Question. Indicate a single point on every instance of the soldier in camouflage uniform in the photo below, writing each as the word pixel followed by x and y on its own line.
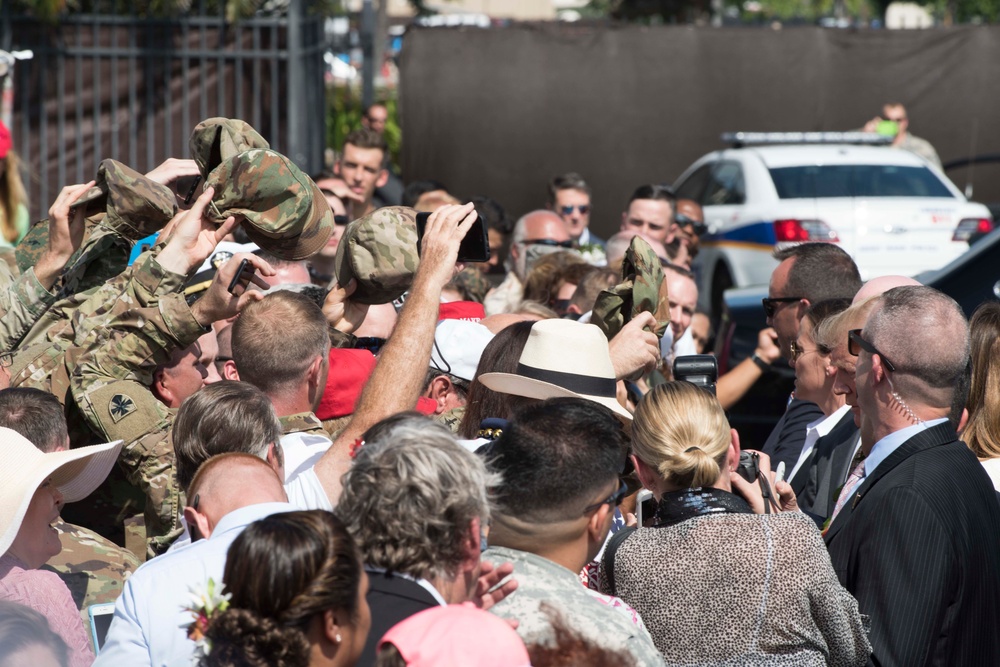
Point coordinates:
pixel 559 463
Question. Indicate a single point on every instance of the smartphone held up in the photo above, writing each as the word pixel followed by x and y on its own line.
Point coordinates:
pixel 475 247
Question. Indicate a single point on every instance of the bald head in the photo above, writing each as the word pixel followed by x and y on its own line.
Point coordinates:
pixel 229 482
pixel 531 234
pixel 880 285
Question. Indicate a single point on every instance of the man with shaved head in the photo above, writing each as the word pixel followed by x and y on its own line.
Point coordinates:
pixel 536 234
pixel 228 493
pixel 915 534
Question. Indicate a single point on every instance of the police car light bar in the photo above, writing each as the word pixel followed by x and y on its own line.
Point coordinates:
pixel 738 139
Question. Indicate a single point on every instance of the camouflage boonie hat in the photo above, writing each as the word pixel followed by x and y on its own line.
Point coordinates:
pixel 215 140
pixel 474 282
pixel 134 206
pixel 643 288
pixel 380 251
pixel 280 208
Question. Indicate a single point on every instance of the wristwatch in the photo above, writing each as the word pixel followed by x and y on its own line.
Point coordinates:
pixel 761 364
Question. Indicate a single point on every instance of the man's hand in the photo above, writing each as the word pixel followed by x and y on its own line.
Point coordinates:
pixel 172 169
pixel 342 313
pixel 784 498
pixel 65 234
pixel 192 238
pixel 217 303
pixel 485 596
pixel 634 350
pixel 767 345
pixel 446 227
pixel 341 191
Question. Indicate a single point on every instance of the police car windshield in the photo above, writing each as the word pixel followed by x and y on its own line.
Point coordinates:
pixel 863 180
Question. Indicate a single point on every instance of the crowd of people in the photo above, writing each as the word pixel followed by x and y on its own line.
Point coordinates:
pixel 338 445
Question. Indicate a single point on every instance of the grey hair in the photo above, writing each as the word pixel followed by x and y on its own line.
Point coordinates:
pixel 410 495
pixel 832 331
pixel 926 336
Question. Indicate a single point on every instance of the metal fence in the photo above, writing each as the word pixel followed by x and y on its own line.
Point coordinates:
pixel 115 84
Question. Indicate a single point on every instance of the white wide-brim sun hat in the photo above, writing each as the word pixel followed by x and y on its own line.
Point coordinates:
pixel 563 358
pixel 75 472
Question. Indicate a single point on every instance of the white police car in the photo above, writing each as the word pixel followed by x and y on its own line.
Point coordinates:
pixel 890 209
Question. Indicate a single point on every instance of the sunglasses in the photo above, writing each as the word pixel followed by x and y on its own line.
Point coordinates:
pixel 795 351
pixel 371 343
pixel 549 242
pixel 584 209
pixel 855 343
pixel 771 305
pixel 614 499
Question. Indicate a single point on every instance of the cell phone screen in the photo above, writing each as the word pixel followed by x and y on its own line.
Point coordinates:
pixel 475 247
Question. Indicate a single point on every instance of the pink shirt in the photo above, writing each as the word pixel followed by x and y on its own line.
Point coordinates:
pixel 46 593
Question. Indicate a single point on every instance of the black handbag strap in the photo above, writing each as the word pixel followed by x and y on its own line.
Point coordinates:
pixel 610 549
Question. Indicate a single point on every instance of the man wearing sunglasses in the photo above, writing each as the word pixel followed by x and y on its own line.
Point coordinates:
pixel 536 234
pixel 569 197
pixel 916 536
pixel 808 273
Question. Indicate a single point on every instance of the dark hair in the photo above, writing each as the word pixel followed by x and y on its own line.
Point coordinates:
pixel 820 271
pixel 368 108
pixel 570 181
pixel 282 571
pixel 22 627
pixel 415 189
pixel 555 455
pixel 493 214
pixel 276 340
pixel 366 138
pixel 679 270
pixel 500 355
pixel 542 282
pixel 824 310
pixel 223 417
pixel 35 414
pixel 654 191
pixel 571 648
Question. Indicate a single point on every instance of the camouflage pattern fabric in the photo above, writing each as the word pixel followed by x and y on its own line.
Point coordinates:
pixel 336 426
pixel 643 288
pixel 280 208
pixel 303 422
pixel 473 283
pixel 215 140
pixel 452 418
pixel 380 251
pixel 23 301
pixel 93 568
pixel 602 619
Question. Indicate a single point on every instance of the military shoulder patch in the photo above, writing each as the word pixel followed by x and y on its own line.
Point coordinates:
pixel 121 406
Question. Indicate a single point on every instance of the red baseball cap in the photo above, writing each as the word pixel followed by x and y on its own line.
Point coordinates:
pixel 6 143
pixel 349 371
pixel 461 310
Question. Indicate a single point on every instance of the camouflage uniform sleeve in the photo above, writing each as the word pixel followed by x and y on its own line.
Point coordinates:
pixel 339 339
pixel 23 301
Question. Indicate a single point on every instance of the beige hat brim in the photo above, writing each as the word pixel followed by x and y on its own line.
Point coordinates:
pixel 518 385
pixel 75 472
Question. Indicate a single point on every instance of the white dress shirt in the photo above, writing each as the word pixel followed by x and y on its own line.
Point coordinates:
pixel 301 451
pixel 150 625
pixel 814 431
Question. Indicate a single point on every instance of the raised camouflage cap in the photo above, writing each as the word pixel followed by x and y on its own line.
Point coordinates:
pixel 643 288
pixel 135 207
pixel 380 252
pixel 280 207
pixel 215 140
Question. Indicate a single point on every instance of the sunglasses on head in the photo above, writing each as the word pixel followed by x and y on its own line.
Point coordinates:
pixel 549 242
pixel 615 499
pixel 584 209
pixel 771 305
pixel 855 343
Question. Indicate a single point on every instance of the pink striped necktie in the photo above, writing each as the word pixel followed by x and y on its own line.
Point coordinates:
pixel 853 480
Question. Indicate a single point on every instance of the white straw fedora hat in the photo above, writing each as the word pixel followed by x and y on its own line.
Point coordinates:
pixel 562 358
pixel 76 473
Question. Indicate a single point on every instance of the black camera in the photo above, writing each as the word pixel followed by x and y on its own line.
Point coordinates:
pixel 698 369
pixel 749 466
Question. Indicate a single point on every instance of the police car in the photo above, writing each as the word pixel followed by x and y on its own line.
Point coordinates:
pixel 891 210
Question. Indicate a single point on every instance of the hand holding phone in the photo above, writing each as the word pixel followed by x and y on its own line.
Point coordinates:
pixel 245 275
pixel 475 247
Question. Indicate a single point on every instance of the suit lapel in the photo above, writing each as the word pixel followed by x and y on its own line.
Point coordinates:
pixel 932 437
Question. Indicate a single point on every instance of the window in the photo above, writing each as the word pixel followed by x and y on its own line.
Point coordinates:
pixel 695 184
pixel 725 186
pixel 863 180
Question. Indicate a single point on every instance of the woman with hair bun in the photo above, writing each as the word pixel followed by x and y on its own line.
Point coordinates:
pixel 715 582
pixel 297 596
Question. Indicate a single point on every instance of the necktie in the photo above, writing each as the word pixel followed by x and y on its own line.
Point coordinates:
pixel 853 480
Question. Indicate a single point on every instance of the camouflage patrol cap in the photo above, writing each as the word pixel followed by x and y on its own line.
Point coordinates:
pixel 643 288
pixel 215 140
pixel 380 251
pixel 135 208
pixel 280 208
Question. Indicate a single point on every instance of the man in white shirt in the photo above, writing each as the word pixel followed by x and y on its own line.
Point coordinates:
pixel 230 492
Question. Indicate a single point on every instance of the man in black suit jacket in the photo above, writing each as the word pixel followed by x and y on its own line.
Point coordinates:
pixel 918 541
pixel 826 469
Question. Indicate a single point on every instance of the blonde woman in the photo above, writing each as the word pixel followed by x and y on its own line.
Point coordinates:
pixel 715 582
pixel 13 198
pixel 982 432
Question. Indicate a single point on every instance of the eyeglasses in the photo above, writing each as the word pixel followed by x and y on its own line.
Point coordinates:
pixel 6 359
pixel 771 305
pixel 795 351
pixel 548 242
pixel 614 499
pixel 855 343
pixel 584 209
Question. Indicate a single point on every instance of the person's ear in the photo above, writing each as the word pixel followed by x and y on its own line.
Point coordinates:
pixel 331 628
pixel 276 459
pixel 383 178
pixel 161 387
pixel 963 420
pixel 229 371
pixel 646 475
pixel 438 391
pixel 336 167
pixel 471 552
pixel 598 524
pixel 624 224
pixel 315 372
pixel 197 522
pixel 800 308
pixel 734 450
